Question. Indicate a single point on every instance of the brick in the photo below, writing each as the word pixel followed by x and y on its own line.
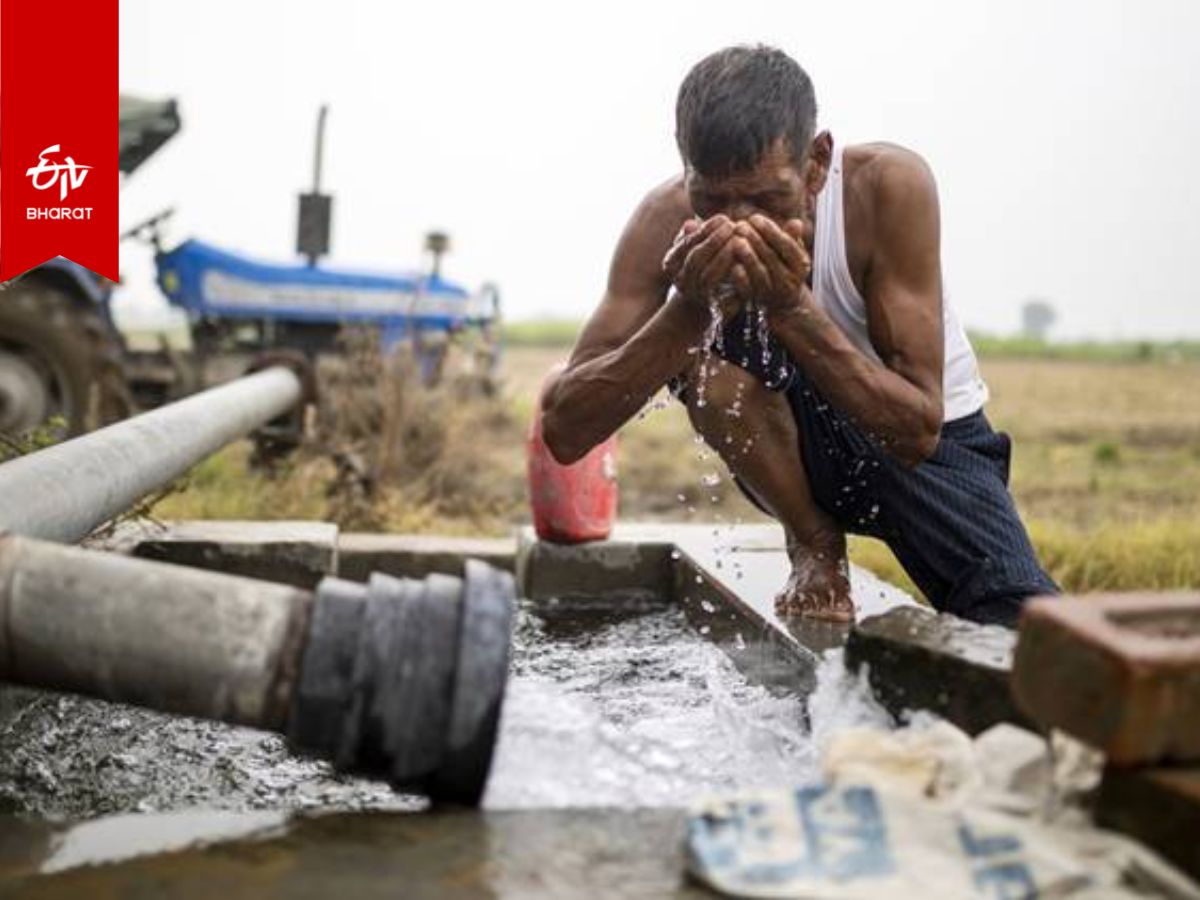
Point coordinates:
pixel 1159 807
pixel 1118 671
pixel 920 660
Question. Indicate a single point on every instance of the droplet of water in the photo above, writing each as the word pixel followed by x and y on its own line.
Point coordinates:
pixel 710 479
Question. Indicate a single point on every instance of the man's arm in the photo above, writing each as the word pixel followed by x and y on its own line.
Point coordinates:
pixel 633 343
pixel 901 401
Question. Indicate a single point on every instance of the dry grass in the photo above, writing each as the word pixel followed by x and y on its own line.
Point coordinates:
pixel 1106 470
pixel 1106 466
pixel 387 455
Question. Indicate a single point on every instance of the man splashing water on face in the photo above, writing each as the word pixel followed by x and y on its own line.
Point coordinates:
pixel 839 388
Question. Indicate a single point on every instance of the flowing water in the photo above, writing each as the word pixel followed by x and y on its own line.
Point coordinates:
pixel 604 707
pixel 713 339
pixel 612 708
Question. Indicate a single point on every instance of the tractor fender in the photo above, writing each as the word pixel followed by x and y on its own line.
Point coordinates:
pixel 74 279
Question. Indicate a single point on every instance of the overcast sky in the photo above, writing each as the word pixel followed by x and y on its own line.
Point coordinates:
pixel 1065 136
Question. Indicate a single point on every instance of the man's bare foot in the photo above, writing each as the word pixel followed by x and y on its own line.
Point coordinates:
pixel 819 586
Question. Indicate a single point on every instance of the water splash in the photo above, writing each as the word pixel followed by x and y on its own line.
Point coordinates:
pixel 713 337
pixel 735 408
pixel 747 332
pixel 643 711
pixel 764 338
pixel 640 712
pixel 654 404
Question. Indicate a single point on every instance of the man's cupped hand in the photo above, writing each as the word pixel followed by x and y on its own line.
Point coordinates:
pixel 735 262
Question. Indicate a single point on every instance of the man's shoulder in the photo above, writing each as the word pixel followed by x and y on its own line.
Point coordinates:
pixel 888 174
pixel 665 205
pixel 653 226
pixel 637 261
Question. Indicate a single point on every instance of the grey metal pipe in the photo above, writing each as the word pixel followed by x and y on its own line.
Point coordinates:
pixel 398 679
pixel 64 492
pixel 156 635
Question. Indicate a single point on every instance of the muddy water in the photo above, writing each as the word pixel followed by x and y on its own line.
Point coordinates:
pixel 605 707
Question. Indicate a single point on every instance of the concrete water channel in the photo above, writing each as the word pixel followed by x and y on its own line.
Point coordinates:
pixel 648 671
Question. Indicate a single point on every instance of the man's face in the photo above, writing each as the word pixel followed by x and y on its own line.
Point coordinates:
pixel 779 186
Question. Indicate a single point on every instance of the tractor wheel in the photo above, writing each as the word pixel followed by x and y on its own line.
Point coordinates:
pixel 58 358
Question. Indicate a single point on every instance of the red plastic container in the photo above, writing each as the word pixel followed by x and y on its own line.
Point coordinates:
pixel 575 503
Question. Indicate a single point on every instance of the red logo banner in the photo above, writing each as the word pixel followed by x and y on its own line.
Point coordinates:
pixel 59 111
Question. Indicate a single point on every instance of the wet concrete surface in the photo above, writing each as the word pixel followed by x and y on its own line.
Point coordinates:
pixel 958 670
pixel 296 553
pixel 67 757
pixel 567 853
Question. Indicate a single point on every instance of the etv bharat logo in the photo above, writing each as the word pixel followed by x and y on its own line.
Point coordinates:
pixel 68 175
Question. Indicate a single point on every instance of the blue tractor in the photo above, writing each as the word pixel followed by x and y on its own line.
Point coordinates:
pixel 237 304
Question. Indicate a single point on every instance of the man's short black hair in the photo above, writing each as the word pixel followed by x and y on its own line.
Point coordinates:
pixel 736 102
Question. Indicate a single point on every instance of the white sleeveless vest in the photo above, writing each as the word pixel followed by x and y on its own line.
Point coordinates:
pixel 964 391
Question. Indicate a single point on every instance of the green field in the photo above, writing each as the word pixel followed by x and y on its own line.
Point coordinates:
pixel 1106 466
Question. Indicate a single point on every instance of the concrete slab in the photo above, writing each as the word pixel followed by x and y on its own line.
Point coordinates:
pixel 919 659
pixel 296 553
pixel 1159 807
pixel 567 853
pixel 418 555
pixel 124 535
pixel 724 576
pixel 1118 671
pixel 633 566
pixel 751 563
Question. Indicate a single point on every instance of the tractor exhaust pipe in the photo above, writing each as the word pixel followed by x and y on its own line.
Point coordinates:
pixel 397 679
pixel 64 492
